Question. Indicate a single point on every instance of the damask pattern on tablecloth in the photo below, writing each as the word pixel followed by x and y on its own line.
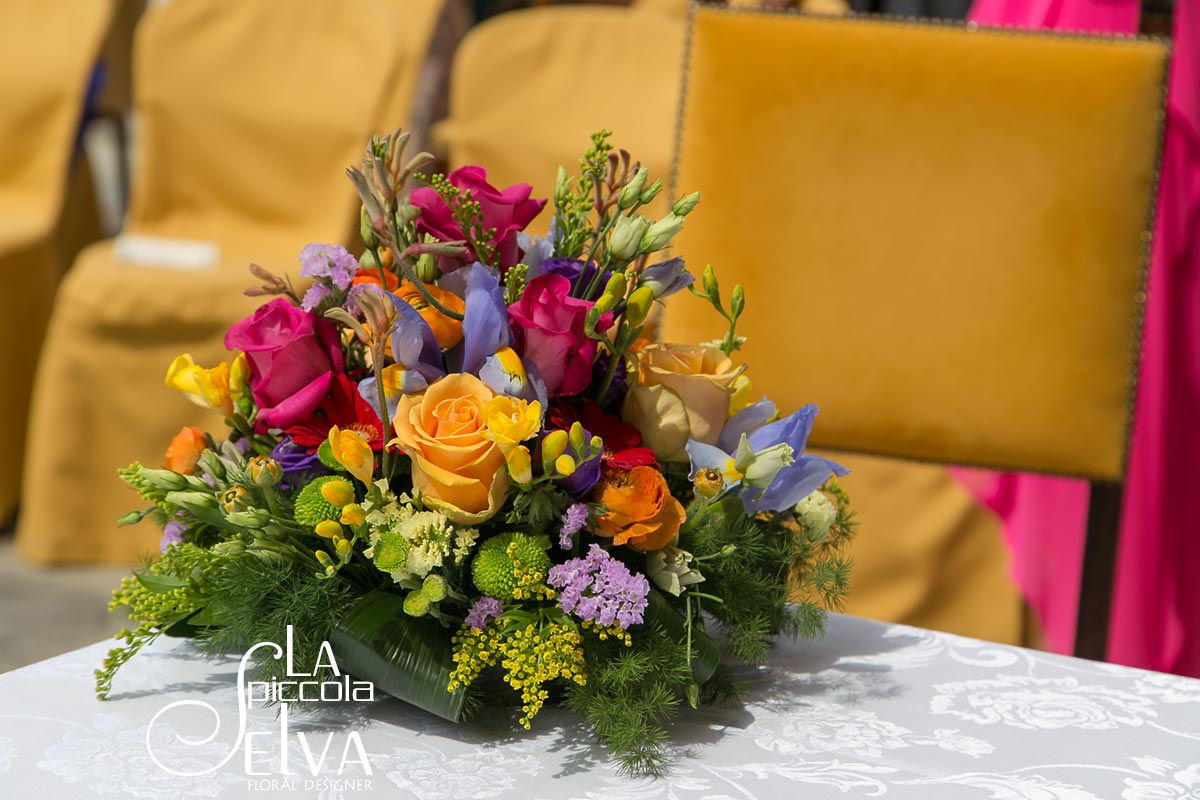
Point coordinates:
pixel 870 711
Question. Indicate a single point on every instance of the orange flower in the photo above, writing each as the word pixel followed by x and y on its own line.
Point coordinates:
pixel 641 511
pixel 184 450
pixel 372 276
pixel 457 471
pixel 448 332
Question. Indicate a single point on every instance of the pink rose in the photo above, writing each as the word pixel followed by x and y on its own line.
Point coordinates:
pixel 293 356
pixel 508 211
pixel 548 324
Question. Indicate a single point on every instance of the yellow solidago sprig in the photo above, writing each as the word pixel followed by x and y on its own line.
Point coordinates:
pixel 513 566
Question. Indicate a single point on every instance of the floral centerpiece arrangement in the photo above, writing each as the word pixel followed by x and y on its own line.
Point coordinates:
pixel 458 459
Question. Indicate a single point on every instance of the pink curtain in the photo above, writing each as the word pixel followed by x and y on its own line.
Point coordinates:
pixel 1156 614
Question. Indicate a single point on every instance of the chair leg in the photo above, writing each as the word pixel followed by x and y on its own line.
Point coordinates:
pixel 1099 570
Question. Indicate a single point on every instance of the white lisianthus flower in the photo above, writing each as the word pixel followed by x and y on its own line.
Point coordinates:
pixel 671 569
pixel 817 513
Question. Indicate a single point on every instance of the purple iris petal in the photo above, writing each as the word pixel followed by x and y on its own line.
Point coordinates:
pixel 747 421
pixel 485 317
pixel 585 476
pixel 414 346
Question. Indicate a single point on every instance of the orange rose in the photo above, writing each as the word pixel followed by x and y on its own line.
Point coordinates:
pixel 457 470
pixel 641 511
pixel 681 392
pixel 184 450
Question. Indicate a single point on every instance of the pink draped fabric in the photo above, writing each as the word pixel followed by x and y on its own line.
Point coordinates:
pixel 1156 614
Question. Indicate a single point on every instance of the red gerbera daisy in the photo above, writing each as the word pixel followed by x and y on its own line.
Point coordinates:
pixel 344 407
pixel 622 441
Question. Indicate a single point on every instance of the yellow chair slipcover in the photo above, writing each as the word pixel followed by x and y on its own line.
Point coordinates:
pixel 956 234
pixel 566 72
pixel 50 47
pixel 248 112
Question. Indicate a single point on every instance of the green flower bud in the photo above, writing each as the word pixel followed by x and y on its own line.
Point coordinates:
pixel 626 237
pixel 575 437
pixel 651 191
pixel 605 304
pixel 251 518
pixel 230 548
pixel 427 268
pixel 631 193
pixel 709 282
pixel 637 308
pixel 616 285
pixel 416 604
pixel 562 187
pixel 164 479
pixel 365 230
pixel 368 261
pixel 684 205
pixel 434 588
pixel 659 234
pixel 408 212
pixel 553 446
pixel 737 301
pixel 264 471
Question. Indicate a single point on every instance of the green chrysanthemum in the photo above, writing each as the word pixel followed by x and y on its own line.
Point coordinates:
pixel 506 563
pixel 312 507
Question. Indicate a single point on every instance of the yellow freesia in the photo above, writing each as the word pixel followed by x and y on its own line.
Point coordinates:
pixel 207 388
pixel 239 377
pixel 352 451
pixel 509 421
pixel 520 466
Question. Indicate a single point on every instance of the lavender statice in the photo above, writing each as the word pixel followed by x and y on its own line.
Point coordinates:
pixel 573 520
pixel 484 611
pixel 600 589
pixel 330 261
pixel 172 534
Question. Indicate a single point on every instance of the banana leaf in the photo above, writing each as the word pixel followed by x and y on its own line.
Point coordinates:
pixel 407 657
pixel 659 611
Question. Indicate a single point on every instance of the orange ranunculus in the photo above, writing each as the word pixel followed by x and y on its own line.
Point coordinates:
pixel 457 470
pixel 641 511
pixel 681 392
pixel 372 276
pixel 448 332
pixel 184 450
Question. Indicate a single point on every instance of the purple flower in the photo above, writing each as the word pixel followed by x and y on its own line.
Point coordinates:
pixel 601 589
pixel 579 273
pixel 172 534
pixel 484 611
pixel 666 277
pixel 330 261
pixel 316 294
pixel 572 522
pixel 299 465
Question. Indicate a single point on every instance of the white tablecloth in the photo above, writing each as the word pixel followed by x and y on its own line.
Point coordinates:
pixel 871 710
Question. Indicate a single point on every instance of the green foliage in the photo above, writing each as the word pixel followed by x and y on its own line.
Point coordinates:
pixel 537 509
pixel 256 595
pixel 630 692
pixel 468 213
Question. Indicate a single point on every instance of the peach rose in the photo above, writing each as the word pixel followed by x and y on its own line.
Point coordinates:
pixel 681 392
pixel 641 513
pixel 183 453
pixel 457 471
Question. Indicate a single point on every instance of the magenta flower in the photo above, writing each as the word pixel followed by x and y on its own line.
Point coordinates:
pixel 293 355
pixel 548 323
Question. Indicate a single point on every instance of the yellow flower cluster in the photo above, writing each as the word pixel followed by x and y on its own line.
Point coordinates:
pixel 602 632
pixel 531 582
pixel 534 656
pixel 531 657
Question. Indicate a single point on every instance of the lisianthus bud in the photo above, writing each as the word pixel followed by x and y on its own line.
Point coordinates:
pixel 652 191
pixel 637 308
pixel 659 234
pixel 627 236
pixel 737 300
pixel 631 193
pixel 684 205
pixel 251 518
pixel 264 471
pixel 366 231
pixel 709 281
pixel 708 483
pixel 236 498
pixel 164 479
pixel 427 268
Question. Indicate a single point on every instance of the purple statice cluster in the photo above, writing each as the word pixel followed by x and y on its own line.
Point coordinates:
pixel 331 266
pixel 601 589
pixel 484 611
pixel 573 520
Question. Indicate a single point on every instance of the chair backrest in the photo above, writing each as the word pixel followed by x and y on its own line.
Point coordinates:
pixel 942 233
pixel 50 48
pixel 249 110
pixel 529 87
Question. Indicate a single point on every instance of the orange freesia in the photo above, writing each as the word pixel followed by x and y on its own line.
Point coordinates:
pixel 448 332
pixel 641 511
pixel 184 450
pixel 457 470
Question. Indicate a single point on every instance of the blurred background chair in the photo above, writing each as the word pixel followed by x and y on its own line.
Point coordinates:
pixel 46 68
pixel 964 238
pixel 246 114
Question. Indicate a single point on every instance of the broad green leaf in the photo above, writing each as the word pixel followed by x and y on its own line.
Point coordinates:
pixel 407 657
pixel 159 583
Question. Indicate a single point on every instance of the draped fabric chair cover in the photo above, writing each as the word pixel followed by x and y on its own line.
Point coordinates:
pixel 526 91
pixel 248 113
pixel 923 327
pixel 50 47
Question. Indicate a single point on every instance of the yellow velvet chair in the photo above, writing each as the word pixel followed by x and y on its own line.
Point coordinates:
pixel 248 112
pixel 942 233
pixel 45 71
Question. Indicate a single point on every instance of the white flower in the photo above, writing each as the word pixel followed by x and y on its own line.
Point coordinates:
pixel 817 513
pixel 671 569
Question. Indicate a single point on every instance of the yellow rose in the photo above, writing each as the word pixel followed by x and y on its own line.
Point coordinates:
pixel 510 421
pixel 681 392
pixel 456 469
